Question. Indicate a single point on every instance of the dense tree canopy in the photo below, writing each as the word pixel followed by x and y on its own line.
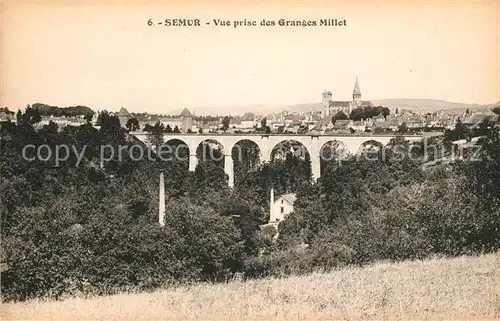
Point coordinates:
pixel 132 124
pixel 89 223
pixel 368 112
pixel 47 110
pixel 339 116
pixel 225 123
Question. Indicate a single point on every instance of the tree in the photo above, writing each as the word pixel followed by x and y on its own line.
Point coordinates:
pixel 31 116
pixel 248 116
pixel 460 130
pixel 339 116
pixel 132 124
pixel 19 117
pixel 78 228
pixel 385 112
pixel 155 134
pixel 403 128
pixel 369 112
pixel 88 117
pixel 176 130
pixel 51 127
pixel 225 123
pixel 168 129
pixel 7 111
pixel 263 123
pixel 74 111
pixel 496 110
pixel 109 123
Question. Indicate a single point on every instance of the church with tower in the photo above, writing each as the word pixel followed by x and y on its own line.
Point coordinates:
pixel 332 107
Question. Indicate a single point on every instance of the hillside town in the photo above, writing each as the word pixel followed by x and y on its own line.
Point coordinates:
pixel 291 160
pixel 332 118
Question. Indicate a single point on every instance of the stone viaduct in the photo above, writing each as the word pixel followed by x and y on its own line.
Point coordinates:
pixel 267 142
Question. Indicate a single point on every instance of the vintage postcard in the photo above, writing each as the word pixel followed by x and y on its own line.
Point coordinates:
pixel 237 160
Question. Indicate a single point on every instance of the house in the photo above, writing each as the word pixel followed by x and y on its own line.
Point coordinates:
pixel 477 118
pixel 276 125
pixel 278 209
pixel 379 119
pixel 247 124
pixel 184 121
pixel 394 124
pixel 292 119
pixel 62 121
pixel 244 125
pixel 342 124
pixel 281 207
pixel 466 147
pixel 123 115
pixel 171 122
pixel 6 114
pixel 148 120
pixel 204 128
pixel 381 127
pixel 323 124
pixel 293 129
pixel 358 125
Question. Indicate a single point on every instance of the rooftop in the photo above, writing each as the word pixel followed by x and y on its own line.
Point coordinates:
pixel 123 112
pixel 186 113
pixel 290 198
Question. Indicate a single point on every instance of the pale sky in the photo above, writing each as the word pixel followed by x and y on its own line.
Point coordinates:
pixel 106 56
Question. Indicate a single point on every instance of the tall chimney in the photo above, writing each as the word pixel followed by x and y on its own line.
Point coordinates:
pixel 271 202
pixel 161 214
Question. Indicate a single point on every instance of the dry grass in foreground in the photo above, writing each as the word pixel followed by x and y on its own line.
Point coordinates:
pixel 465 288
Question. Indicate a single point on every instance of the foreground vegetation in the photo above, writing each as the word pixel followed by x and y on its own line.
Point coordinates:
pixel 463 288
pixel 78 228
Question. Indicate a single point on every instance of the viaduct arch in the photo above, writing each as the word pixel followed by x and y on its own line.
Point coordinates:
pixel 266 143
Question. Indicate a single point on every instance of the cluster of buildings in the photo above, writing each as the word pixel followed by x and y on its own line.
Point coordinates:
pixel 320 122
pixel 279 208
pixel 332 107
pixel 183 122
pixel 63 121
pixel 315 122
pixel 60 121
pixel 186 122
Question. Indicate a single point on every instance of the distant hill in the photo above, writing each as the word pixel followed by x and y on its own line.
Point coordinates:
pixel 304 107
pixel 430 105
pixel 71 111
pixel 233 110
pixel 417 105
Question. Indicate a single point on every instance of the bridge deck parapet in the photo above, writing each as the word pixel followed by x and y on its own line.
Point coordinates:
pixel 287 134
pixel 266 143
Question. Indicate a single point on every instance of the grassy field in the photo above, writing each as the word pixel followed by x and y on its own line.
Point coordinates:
pixel 465 288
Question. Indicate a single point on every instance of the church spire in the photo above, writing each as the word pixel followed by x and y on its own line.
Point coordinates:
pixel 356 93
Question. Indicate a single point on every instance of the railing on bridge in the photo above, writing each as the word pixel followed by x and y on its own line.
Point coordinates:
pixel 291 134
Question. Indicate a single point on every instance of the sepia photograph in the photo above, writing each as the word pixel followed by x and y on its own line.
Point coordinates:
pixel 250 160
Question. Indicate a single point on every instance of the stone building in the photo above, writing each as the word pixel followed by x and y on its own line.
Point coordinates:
pixel 184 121
pixel 123 115
pixel 280 207
pixel 332 107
